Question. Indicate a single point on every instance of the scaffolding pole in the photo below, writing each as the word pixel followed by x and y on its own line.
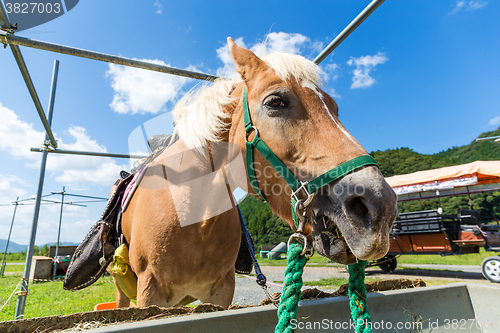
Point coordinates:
pixel 50 144
pixel 88 153
pixel 4 22
pixel 348 30
pixel 73 51
pixel 2 268
pixel 55 260
pixel 23 290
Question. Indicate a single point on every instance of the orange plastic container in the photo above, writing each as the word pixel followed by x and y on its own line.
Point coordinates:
pixel 108 306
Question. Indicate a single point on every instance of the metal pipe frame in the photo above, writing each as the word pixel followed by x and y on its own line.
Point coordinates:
pixel 15 41
pixel 81 196
pixel 2 268
pixel 54 264
pixel 62 203
pixel 4 22
pixel 348 30
pixel 488 138
pixel 73 51
pixel 23 289
pixel 87 153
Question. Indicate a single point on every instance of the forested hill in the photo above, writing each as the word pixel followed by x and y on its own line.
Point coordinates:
pixel 267 228
pixel 404 160
pixel 475 151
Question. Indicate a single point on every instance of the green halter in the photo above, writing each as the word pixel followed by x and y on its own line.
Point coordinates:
pixel 308 188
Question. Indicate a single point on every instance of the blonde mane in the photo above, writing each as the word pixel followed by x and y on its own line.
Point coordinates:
pixel 199 115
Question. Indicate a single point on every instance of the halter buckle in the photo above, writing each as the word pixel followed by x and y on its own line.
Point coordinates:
pixel 310 196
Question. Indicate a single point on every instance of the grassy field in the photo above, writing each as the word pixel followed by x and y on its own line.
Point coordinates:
pixel 49 298
pixel 465 259
pixel 334 283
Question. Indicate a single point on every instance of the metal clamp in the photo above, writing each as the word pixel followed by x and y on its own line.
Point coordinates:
pixel 46 146
pixel 3 38
pixel 4 33
pixel 22 293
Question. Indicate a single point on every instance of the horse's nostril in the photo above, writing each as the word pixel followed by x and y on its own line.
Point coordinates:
pixel 357 211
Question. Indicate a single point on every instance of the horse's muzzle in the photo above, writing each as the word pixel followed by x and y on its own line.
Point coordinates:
pixel 352 218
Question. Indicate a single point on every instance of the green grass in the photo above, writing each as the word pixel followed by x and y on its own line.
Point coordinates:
pixel 329 282
pixel 464 259
pixel 315 260
pixel 14 268
pixel 333 282
pixel 49 298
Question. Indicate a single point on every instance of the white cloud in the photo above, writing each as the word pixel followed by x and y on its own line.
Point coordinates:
pixel 364 65
pixel 9 189
pixel 468 6
pixel 143 91
pixel 274 42
pixel 17 136
pixel 159 6
pixel 224 55
pixel 83 169
pixel 495 121
pixel 281 42
pixel 333 93
pixel 331 71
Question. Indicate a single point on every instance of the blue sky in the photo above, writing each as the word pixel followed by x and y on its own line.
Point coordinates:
pixel 420 74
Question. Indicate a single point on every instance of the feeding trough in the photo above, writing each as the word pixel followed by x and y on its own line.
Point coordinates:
pixel 458 307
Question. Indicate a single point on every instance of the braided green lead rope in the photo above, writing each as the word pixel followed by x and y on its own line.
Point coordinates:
pixel 290 296
pixel 292 284
pixel 357 298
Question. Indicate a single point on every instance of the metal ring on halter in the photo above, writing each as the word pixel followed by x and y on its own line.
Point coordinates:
pixel 302 236
pixel 247 133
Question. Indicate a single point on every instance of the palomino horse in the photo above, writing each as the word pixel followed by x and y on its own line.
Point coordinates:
pixel 350 218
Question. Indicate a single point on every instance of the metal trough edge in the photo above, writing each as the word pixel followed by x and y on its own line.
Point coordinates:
pixel 457 307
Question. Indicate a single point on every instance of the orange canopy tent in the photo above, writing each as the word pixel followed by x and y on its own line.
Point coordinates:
pixel 475 177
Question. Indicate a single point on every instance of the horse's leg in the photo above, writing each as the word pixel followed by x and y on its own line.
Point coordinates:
pixel 222 291
pixel 122 300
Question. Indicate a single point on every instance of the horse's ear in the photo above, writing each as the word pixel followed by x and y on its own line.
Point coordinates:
pixel 247 64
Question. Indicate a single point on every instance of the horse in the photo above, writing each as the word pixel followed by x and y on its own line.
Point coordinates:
pixel 349 219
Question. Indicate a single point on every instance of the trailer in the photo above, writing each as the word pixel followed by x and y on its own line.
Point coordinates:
pixel 431 231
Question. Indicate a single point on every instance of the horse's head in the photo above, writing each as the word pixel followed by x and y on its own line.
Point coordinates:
pixel 351 216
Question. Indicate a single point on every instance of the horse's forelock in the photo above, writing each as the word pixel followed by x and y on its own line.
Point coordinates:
pixel 288 66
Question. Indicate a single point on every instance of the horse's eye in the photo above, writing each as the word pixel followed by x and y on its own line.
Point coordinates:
pixel 275 102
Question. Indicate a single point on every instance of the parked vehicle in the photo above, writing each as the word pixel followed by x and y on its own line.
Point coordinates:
pixel 431 231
